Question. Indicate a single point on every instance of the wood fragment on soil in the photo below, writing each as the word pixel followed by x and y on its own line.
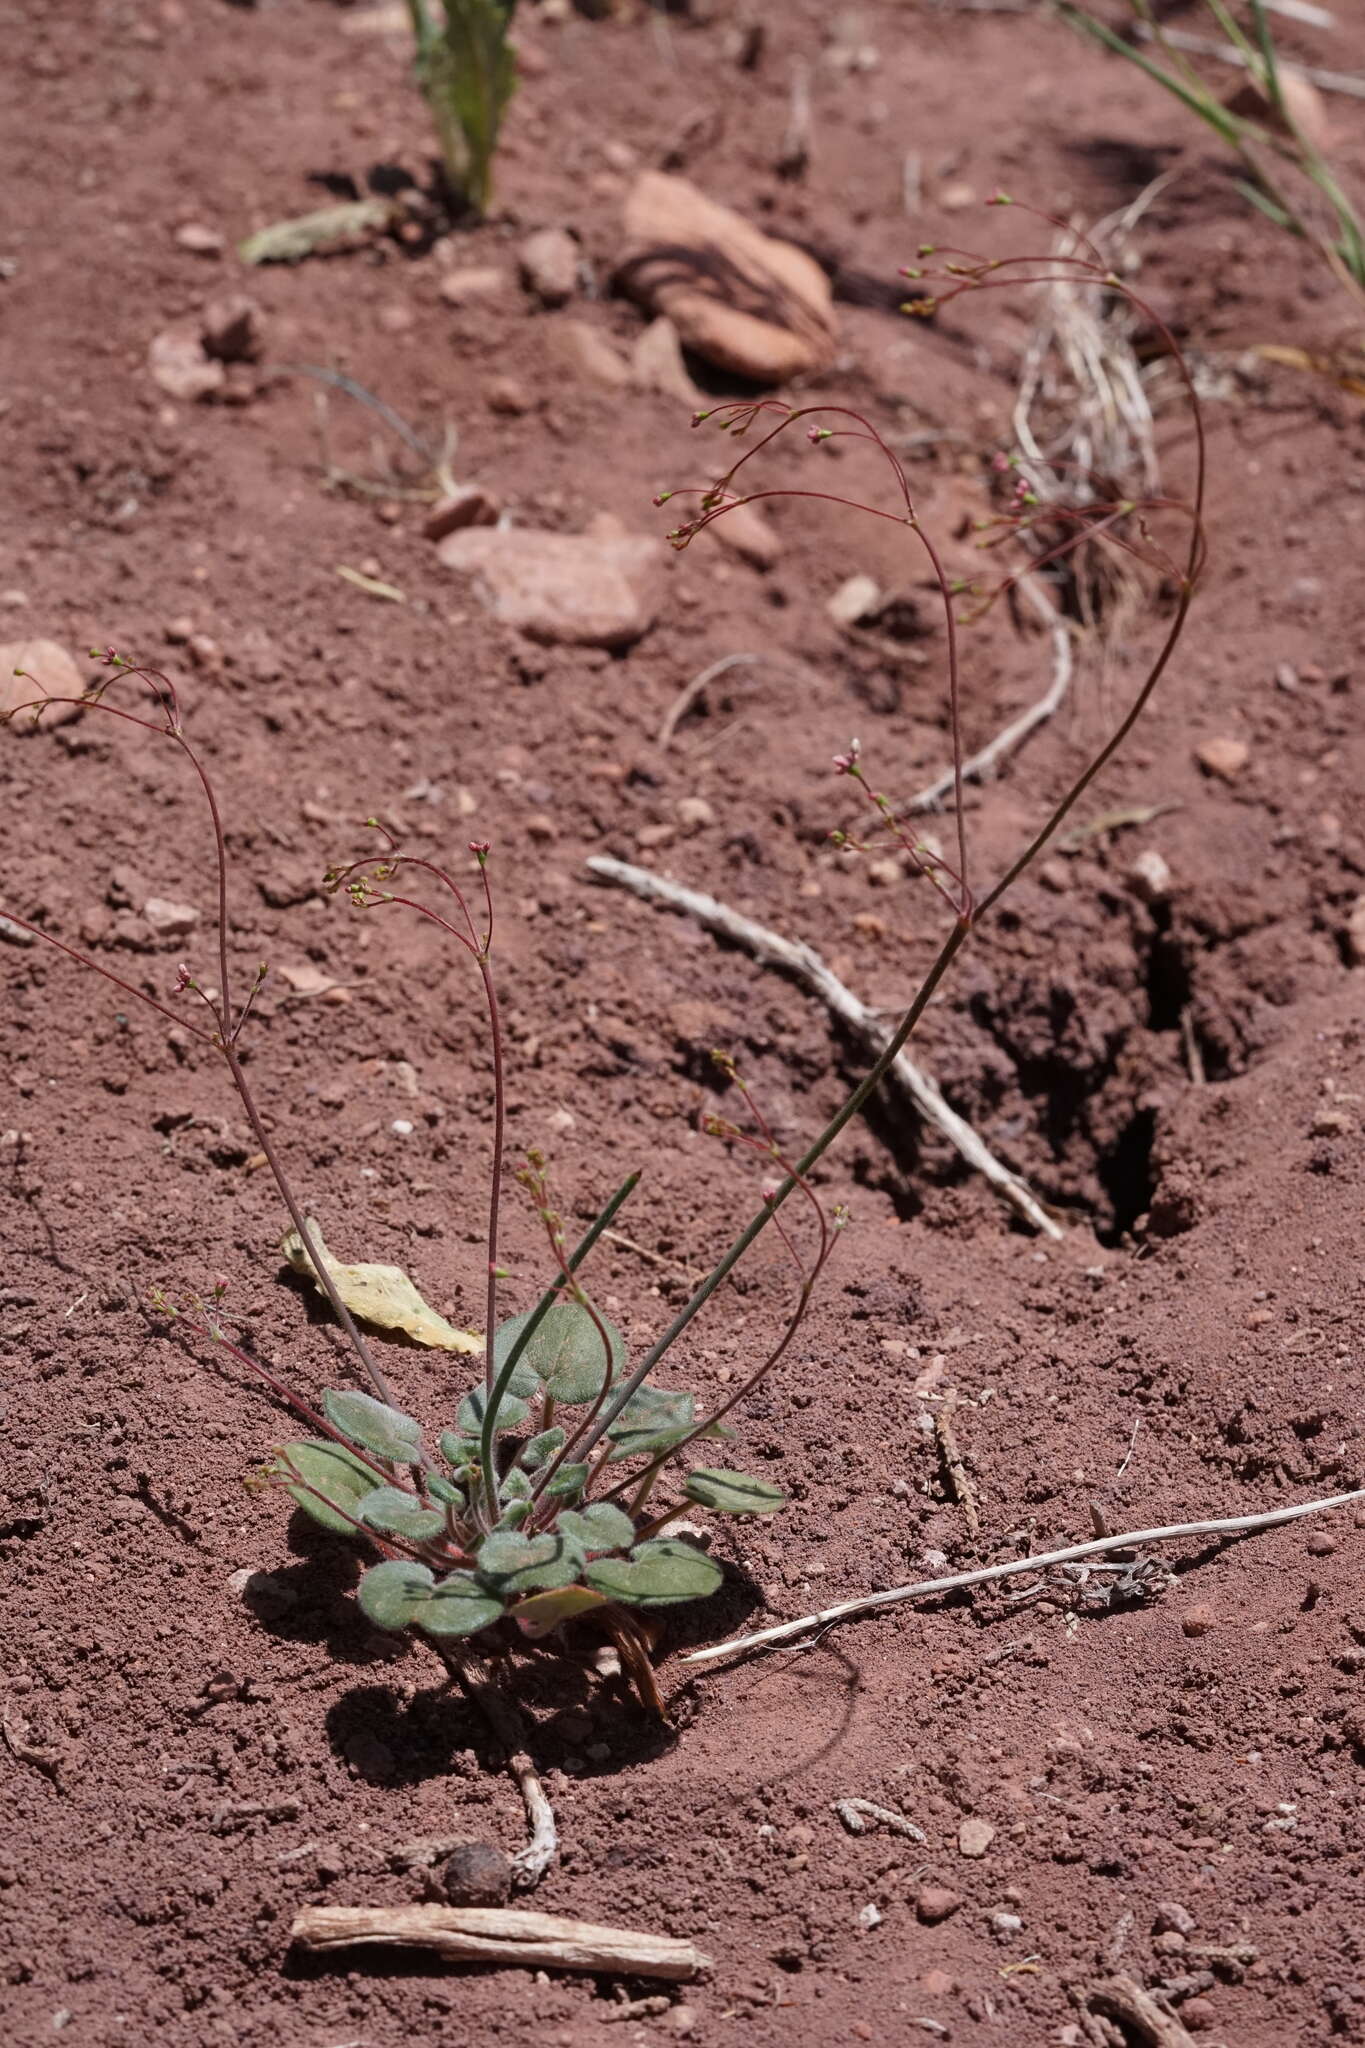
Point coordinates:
pixel 958 1478
pixel 805 965
pixel 1121 1999
pixel 499 1935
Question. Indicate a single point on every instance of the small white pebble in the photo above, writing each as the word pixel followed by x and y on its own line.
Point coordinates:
pixel 401 1128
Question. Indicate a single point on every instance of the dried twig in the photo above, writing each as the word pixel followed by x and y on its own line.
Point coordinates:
pixel 689 693
pixel 1231 1525
pixel 500 1935
pixel 793 158
pixel 958 1479
pixel 1347 82
pixel 1121 1999
pixel 529 1863
pixel 805 964
pixel 980 766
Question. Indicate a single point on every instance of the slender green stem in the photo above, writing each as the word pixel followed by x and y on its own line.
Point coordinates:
pixel 494 1398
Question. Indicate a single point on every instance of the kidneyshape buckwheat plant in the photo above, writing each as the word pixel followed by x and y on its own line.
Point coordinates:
pixel 546 1495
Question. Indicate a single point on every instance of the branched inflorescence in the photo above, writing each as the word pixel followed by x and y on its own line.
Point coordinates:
pixel 541 1502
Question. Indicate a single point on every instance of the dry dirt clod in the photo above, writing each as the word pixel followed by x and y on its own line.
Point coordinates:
pixel 975 1836
pixel 1197 1621
pixel 477 1874
pixel 1173 1918
pixel 180 366
pixel 470 505
pixel 934 1902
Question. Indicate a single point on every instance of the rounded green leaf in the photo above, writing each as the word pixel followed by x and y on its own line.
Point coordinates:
pixel 459 1452
pixel 512 1563
pixel 332 1472
pixel 391 1593
pixel 599 1527
pixel 512 1412
pixel 655 1419
pixel 444 1490
pixel 733 1493
pixel 545 1611
pixel 567 1483
pixel 525 1379
pixel 542 1448
pixel 458 1606
pixel 661 1573
pixel 515 1485
pixel 381 1429
pixel 400 1514
pixel 513 1515
pixel 567 1352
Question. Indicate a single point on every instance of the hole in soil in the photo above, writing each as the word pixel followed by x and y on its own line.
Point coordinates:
pixel 1125 1173
pixel 1169 989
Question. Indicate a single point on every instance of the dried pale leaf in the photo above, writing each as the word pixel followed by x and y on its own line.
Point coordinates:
pixel 381 1295
pixel 371 585
pixel 310 234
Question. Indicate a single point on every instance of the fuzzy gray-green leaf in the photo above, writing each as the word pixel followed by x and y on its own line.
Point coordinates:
pixel 567 1353
pixel 400 1514
pixel 458 1606
pixel 512 1411
pixel 459 1452
pixel 374 1425
pixel 664 1572
pixel 599 1527
pixel 733 1493
pixel 391 1593
pixel 332 1472
pixel 528 1564
pixel 542 1448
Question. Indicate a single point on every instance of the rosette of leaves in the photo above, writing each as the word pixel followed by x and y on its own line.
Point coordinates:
pixel 541 1550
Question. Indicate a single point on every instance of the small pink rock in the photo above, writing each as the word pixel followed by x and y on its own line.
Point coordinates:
pixel 588 353
pixel 937 1984
pixel 199 239
pixel 49 671
pixel 508 396
pixel 170 920
pixel 975 1836
pixel 1225 758
pixel 461 287
pixel 578 590
pixel 934 1902
pixel 748 534
pixel 1197 1621
pixel 549 265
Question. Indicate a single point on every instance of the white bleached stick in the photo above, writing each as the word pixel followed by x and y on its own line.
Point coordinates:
pixel 1136 1539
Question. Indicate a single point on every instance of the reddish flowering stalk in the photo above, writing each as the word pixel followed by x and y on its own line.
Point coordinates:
pixel 226 1028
